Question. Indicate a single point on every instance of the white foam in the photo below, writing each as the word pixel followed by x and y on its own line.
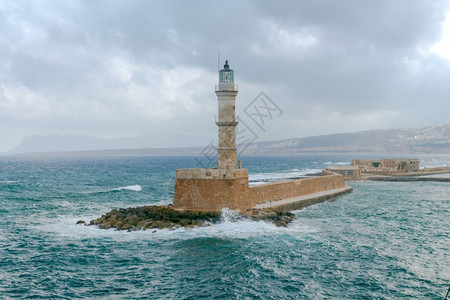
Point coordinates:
pixel 231 216
pixel 434 161
pixel 339 163
pixel 342 163
pixel 136 188
pixel 8 181
pixel 231 225
pixel 260 178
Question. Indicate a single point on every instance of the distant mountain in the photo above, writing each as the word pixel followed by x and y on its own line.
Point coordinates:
pixel 72 142
pixel 430 139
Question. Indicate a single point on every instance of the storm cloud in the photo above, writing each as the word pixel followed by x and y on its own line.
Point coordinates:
pixel 125 68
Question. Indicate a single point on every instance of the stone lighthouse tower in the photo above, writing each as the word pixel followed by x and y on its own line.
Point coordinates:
pixel 212 189
pixel 226 92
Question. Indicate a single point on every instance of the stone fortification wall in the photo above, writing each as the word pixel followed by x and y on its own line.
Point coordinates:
pixel 212 189
pixel 212 194
pixel 299 187
pixel 215 189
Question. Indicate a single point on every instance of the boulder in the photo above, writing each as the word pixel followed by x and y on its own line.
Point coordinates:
pixel 118 224
pixel 148 225
pixel 133 220
pixel 126 226
pixel 147 217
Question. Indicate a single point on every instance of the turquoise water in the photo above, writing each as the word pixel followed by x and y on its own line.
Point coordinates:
pixel 383 241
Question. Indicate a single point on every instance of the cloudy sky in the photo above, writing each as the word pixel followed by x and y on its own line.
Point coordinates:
pixel 125 68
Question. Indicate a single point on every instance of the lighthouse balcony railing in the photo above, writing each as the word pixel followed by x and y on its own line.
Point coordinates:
pixel 225 86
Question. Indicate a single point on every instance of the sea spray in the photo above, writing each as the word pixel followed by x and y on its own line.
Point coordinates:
pixel 231 216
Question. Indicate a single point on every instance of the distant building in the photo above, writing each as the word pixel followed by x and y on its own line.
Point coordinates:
pixel 388 166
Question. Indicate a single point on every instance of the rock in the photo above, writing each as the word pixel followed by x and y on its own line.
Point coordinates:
pixel 118 224
pixel 133 220
pixel 126 226
pixel 81 222
pixel 148 225
pixel 162 217
pixel 198 223
pixel 112 218
pixel 156 224
pixel 184 222
pixel 104 226
pixel 99 220
pixel 281 223
pixel 142 223
pixel 165 224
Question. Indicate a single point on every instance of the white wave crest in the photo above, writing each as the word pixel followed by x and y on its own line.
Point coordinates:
pixel 342 163
pixel 7 181
pixel 136 188
pixel 260 178
pixel 339 163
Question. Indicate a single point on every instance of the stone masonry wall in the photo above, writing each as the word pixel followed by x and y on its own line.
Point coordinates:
pixel 299 187
pixel 234 193
pixel 212 194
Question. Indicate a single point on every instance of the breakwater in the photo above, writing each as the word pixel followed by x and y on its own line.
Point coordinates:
pixel 408 178
pixel 166 217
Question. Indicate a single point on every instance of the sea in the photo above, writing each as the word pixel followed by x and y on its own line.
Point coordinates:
pixel 385 240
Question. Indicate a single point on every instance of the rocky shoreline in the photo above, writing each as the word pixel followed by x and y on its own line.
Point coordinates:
pixel 166 217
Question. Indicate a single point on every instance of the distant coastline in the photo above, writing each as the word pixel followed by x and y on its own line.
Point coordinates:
pixel 406 141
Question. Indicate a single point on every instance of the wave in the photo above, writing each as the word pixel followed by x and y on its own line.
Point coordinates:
pixel 260 178
pixel 136 188
pixel 7 181
pixel 342 163
pixel 232 225
pixel 339 163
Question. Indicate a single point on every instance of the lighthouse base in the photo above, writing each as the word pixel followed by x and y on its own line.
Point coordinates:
pixel 212 189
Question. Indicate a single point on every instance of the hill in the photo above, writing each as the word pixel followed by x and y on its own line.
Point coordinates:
pixel 430 139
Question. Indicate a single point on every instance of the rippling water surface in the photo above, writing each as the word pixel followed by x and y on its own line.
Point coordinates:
pixel 383 241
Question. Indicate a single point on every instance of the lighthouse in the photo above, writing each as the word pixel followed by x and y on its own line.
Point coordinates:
pixel 212 189
pixel 226 92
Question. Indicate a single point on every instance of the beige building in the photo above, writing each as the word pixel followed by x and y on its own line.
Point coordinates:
pixel 388 166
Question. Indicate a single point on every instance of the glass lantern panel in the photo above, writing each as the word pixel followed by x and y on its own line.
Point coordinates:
pixel 226 76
